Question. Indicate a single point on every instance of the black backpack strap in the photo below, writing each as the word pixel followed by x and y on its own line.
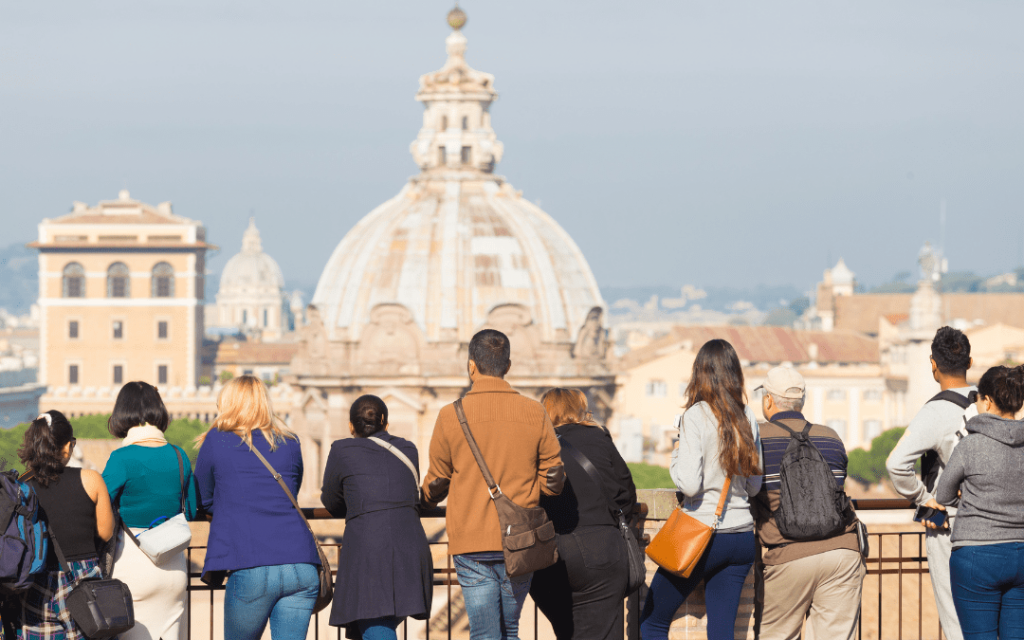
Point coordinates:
pixel 805 433
pixel 952 396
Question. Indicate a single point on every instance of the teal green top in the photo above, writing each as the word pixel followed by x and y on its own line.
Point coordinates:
pixel 146 484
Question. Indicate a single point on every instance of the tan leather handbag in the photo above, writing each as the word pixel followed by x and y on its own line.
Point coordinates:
pixel 681 543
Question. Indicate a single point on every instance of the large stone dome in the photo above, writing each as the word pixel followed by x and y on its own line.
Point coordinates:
pixel 457 242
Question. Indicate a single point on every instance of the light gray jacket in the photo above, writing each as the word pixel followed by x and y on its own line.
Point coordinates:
pixel 698 474
pixel 932 429
pixel 988 468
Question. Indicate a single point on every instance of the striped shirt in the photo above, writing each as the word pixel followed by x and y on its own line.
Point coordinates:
pixel 774 441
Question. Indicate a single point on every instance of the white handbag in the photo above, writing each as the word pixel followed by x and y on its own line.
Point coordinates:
pixel 171 536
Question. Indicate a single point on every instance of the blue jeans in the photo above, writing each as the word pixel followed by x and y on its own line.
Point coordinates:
pixel 988 590
pixel 493 600
pixel 284 594
pixel 723 569
pixel 379 628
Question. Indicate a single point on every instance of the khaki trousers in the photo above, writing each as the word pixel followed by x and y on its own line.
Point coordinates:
pixel 824 588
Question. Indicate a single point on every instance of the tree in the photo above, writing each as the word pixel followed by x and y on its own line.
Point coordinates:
pixel 868 466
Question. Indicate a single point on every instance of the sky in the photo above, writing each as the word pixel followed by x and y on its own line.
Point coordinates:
pixel 678 142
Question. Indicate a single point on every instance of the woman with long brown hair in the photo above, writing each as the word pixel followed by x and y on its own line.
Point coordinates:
pixel 256 535
pixel 718 442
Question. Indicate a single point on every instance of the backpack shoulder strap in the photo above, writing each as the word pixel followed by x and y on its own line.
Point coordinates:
pixel 492 487
pixel 401 456
pixel 952 396
pixel 589 468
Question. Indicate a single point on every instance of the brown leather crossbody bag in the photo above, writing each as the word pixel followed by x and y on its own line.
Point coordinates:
pixel 681 543
pixel 527 536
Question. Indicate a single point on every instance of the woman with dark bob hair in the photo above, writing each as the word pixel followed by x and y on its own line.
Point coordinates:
pixel 385 570
pixel 985 474
pixel 77 508
pixel 147 478
pixel 719 443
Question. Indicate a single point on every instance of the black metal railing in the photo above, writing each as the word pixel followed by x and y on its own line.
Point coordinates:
pixel 897 602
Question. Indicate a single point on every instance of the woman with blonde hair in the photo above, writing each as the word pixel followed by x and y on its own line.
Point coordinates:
pixel 582 593
pixel 719 452
pixel 256 534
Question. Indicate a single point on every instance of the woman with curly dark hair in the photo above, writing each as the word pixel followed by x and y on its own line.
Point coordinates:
pixel 719 443
pixel 76 506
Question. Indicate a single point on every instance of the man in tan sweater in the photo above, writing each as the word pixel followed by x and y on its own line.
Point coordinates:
pixel 518 443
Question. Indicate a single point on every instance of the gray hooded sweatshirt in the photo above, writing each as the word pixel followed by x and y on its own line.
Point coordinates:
pixel 988 468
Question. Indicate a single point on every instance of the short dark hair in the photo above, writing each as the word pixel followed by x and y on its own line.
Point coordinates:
pixel 368 415
pixel 137 403
pixel 951 351
pixel 491 351
pixel 1004 386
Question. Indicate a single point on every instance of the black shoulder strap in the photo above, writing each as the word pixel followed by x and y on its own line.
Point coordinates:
pixel 952 396
pixel 589 468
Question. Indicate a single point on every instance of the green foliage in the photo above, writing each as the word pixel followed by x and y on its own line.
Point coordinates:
pixel 226 375
pixel 649 476
pixel 868 466
pixel 94 427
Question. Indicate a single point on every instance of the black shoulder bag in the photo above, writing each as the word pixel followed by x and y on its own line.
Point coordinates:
pixel 101 607
pixel 637 566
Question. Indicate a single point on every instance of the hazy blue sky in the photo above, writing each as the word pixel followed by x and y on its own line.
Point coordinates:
pixel 713 143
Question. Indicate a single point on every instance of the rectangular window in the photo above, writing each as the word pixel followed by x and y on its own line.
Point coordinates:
pixel 872 429
pixel 73 374
pixel 873 395
pixel 161 374
pixel 839 426
pixel 837 394
pixel 266 315
pixel 442 156
pixel 118 329
pixel 118 374
pixel 73 329
pixel 467 155
pixel 656 389
pixel 161 330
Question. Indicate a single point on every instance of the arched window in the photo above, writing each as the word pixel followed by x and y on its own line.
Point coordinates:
pixel 118 281
pixel 465 122
pixel 163 281
pixel 444 123
pixel 74 281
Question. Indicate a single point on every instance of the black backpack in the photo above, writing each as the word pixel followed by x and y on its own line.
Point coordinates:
pixel 811 504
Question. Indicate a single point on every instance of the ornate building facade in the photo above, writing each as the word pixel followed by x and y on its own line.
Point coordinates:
pixel 457 250
pixel 120 297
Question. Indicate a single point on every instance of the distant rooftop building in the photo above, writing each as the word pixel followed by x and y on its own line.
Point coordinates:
pixel 121 286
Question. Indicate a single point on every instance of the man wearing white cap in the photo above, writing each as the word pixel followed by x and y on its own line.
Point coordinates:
pixel 818 579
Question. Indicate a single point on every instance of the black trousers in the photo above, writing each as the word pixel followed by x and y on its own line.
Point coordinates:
pixel 582 594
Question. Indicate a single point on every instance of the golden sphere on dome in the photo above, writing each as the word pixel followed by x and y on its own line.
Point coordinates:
pixel 456 18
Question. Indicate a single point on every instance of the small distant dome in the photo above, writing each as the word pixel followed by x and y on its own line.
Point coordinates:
pixel 251 270
pixel 456 18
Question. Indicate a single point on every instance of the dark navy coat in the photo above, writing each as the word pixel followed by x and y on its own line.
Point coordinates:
pixel 384 567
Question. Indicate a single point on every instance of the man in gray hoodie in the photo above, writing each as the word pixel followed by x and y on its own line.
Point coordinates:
pixel 934 429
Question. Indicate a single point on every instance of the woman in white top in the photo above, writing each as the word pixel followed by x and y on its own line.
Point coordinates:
pixel 718 439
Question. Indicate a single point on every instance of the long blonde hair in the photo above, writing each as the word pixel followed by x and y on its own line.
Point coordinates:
pixel 243 405
pixel 567 406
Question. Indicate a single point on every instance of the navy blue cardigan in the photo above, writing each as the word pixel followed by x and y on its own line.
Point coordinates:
pixel 254 523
